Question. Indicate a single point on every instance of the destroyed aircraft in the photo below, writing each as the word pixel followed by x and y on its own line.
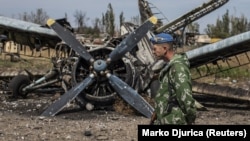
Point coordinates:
pixel 128 76
pixel 208 63
pixel 91 61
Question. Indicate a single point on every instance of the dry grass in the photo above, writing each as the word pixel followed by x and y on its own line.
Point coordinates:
pixel 26 61
pixel 120 106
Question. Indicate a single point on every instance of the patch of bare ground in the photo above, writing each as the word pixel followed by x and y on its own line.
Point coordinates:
pixel 20 119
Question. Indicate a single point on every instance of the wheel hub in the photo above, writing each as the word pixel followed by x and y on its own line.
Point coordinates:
pixel 100 65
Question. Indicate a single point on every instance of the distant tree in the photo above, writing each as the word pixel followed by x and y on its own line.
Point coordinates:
pixel 110 20
pixel 193 27
pixel 80 19
pixel 221 29
pixel 39 17
pixel 96 28
pixel 228 26
pixel 226 23
pixel 106 22
pixel 121 18
pixel 239 25
pixel 24 16
pixel 103 21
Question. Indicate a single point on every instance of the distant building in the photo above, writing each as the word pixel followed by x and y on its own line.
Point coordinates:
pixel 199 39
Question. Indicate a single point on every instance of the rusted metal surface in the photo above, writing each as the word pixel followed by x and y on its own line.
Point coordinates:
pixel 223 91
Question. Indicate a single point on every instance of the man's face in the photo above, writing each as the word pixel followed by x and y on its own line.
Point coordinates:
pixel 160 50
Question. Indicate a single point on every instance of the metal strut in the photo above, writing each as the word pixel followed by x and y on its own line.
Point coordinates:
pixel 191 16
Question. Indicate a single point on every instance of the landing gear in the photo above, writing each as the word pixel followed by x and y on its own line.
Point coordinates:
pixel 17 84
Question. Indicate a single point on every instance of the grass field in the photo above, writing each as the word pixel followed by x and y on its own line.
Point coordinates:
pixel 26 61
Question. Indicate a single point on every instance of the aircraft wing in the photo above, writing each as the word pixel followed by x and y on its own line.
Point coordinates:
pixel 27 33
pixel 232 52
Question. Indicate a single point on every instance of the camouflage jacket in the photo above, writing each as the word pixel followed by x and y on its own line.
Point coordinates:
pixel 174 103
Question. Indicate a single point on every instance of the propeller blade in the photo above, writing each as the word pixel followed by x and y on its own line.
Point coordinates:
pixel 130 96
pixel 132 39
pixel 70 40
pixel 58 105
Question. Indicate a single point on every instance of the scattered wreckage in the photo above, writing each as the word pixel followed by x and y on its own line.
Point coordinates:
pixel 95 75
pixel 107 69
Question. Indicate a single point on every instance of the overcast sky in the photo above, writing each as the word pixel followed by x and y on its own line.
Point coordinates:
pixel 172 9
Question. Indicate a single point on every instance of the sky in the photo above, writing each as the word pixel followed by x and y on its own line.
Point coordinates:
pixel 171 9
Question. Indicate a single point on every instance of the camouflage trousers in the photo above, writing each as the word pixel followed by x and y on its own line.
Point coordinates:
pixel 175 116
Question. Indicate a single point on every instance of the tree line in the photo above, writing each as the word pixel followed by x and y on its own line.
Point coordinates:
pixel 105 24
pixel 225 26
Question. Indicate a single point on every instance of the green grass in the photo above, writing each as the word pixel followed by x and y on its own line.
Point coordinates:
pixel 35 63
pixel 235 73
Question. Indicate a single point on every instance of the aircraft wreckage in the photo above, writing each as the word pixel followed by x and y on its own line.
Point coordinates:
pixel 122 67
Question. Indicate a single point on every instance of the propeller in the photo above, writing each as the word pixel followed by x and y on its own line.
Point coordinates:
pixel 100 68
pixel 130 95
pixel 69 38
pixel 131 40
pixel 70 95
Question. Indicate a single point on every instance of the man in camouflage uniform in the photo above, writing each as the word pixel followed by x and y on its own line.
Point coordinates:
pixel 174 103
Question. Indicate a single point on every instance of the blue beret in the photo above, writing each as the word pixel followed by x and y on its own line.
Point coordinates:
pixel 162 38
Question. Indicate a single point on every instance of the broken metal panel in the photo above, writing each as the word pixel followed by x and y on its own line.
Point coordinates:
pixel 143 49
pixel 224 55
pixel 145 9
pixel 25 26
pixel 224 91
pixel 219 66
pixel 27 33
pixel 144 62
